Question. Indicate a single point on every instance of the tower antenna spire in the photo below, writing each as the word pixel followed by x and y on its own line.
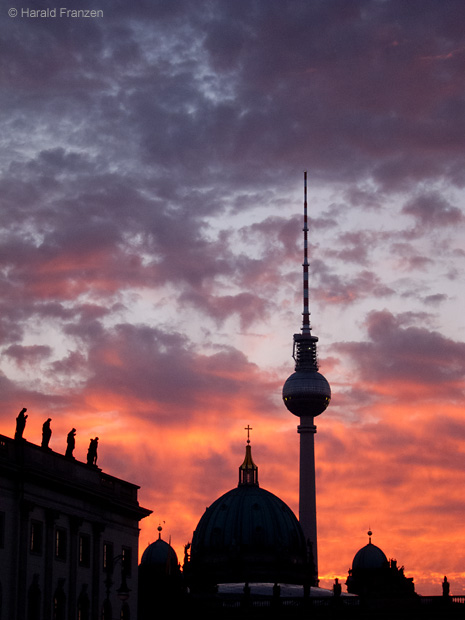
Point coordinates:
pixel 305 353
pixel 306 312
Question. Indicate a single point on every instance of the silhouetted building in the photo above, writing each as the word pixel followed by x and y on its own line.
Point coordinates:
pixel 68 537
pixel 161 586
pixel 374 576
pixel 248 535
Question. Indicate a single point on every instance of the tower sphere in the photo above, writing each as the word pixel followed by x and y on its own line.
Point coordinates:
pixel 306 393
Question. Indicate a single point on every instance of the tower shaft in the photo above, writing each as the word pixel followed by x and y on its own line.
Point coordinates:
pixel 307 487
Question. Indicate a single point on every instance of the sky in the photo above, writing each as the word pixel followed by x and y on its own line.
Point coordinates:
pixel 151 204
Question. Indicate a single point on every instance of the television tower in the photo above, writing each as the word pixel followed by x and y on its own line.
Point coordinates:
pixel 306 393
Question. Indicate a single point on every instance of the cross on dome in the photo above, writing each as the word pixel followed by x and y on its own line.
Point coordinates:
pixel 248 471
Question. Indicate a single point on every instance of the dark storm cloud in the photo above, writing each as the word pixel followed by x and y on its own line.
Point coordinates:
pixel 250 308
pixel 408 258
pixel 354 247
pixel 168 98
pixel 27 354
pixel 409 356
pixel 73 364
pixel 336 288
pixel 435 299
pixel 214 90
pixel 142 364
pixel 379 96
pixel 364 198
pixel 432 211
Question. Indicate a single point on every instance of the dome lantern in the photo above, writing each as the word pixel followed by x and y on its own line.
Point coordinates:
pixel 248 471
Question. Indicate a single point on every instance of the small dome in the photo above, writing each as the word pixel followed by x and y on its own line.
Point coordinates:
pixel 369 557
pixel 373 576
pixel 160 581
pixel 306 393
pixel 161 555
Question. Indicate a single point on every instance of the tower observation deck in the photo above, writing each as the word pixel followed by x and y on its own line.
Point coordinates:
pixel 306 394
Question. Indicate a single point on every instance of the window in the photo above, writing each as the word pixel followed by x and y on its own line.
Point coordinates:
pixel 36 537
pixel 108 557
pixel 84 550
pixel 126 559
pixel 60 543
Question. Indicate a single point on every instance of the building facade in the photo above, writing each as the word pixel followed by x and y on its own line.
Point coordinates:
pixel 68 537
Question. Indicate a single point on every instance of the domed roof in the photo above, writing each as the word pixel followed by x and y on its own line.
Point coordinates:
pixel 306 393
pixel 373 576
pixel 248 516
pixel 369 557
pixel 249 534
pixel 160 555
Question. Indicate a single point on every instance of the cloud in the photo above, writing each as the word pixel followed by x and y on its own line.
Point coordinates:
pixel 411 358
pixel 335 288
pixel 433 211
pixel 27 355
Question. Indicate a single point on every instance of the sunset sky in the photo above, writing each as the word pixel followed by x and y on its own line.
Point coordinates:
pixel 151 196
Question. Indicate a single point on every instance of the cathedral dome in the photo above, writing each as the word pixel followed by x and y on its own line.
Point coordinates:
pixel 249 534
pixel 249 518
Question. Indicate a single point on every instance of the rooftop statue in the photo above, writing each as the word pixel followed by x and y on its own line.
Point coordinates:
pixel 92 452
pixel 46 433
pixel 71 443
pixel 445 587
pixel 20 424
